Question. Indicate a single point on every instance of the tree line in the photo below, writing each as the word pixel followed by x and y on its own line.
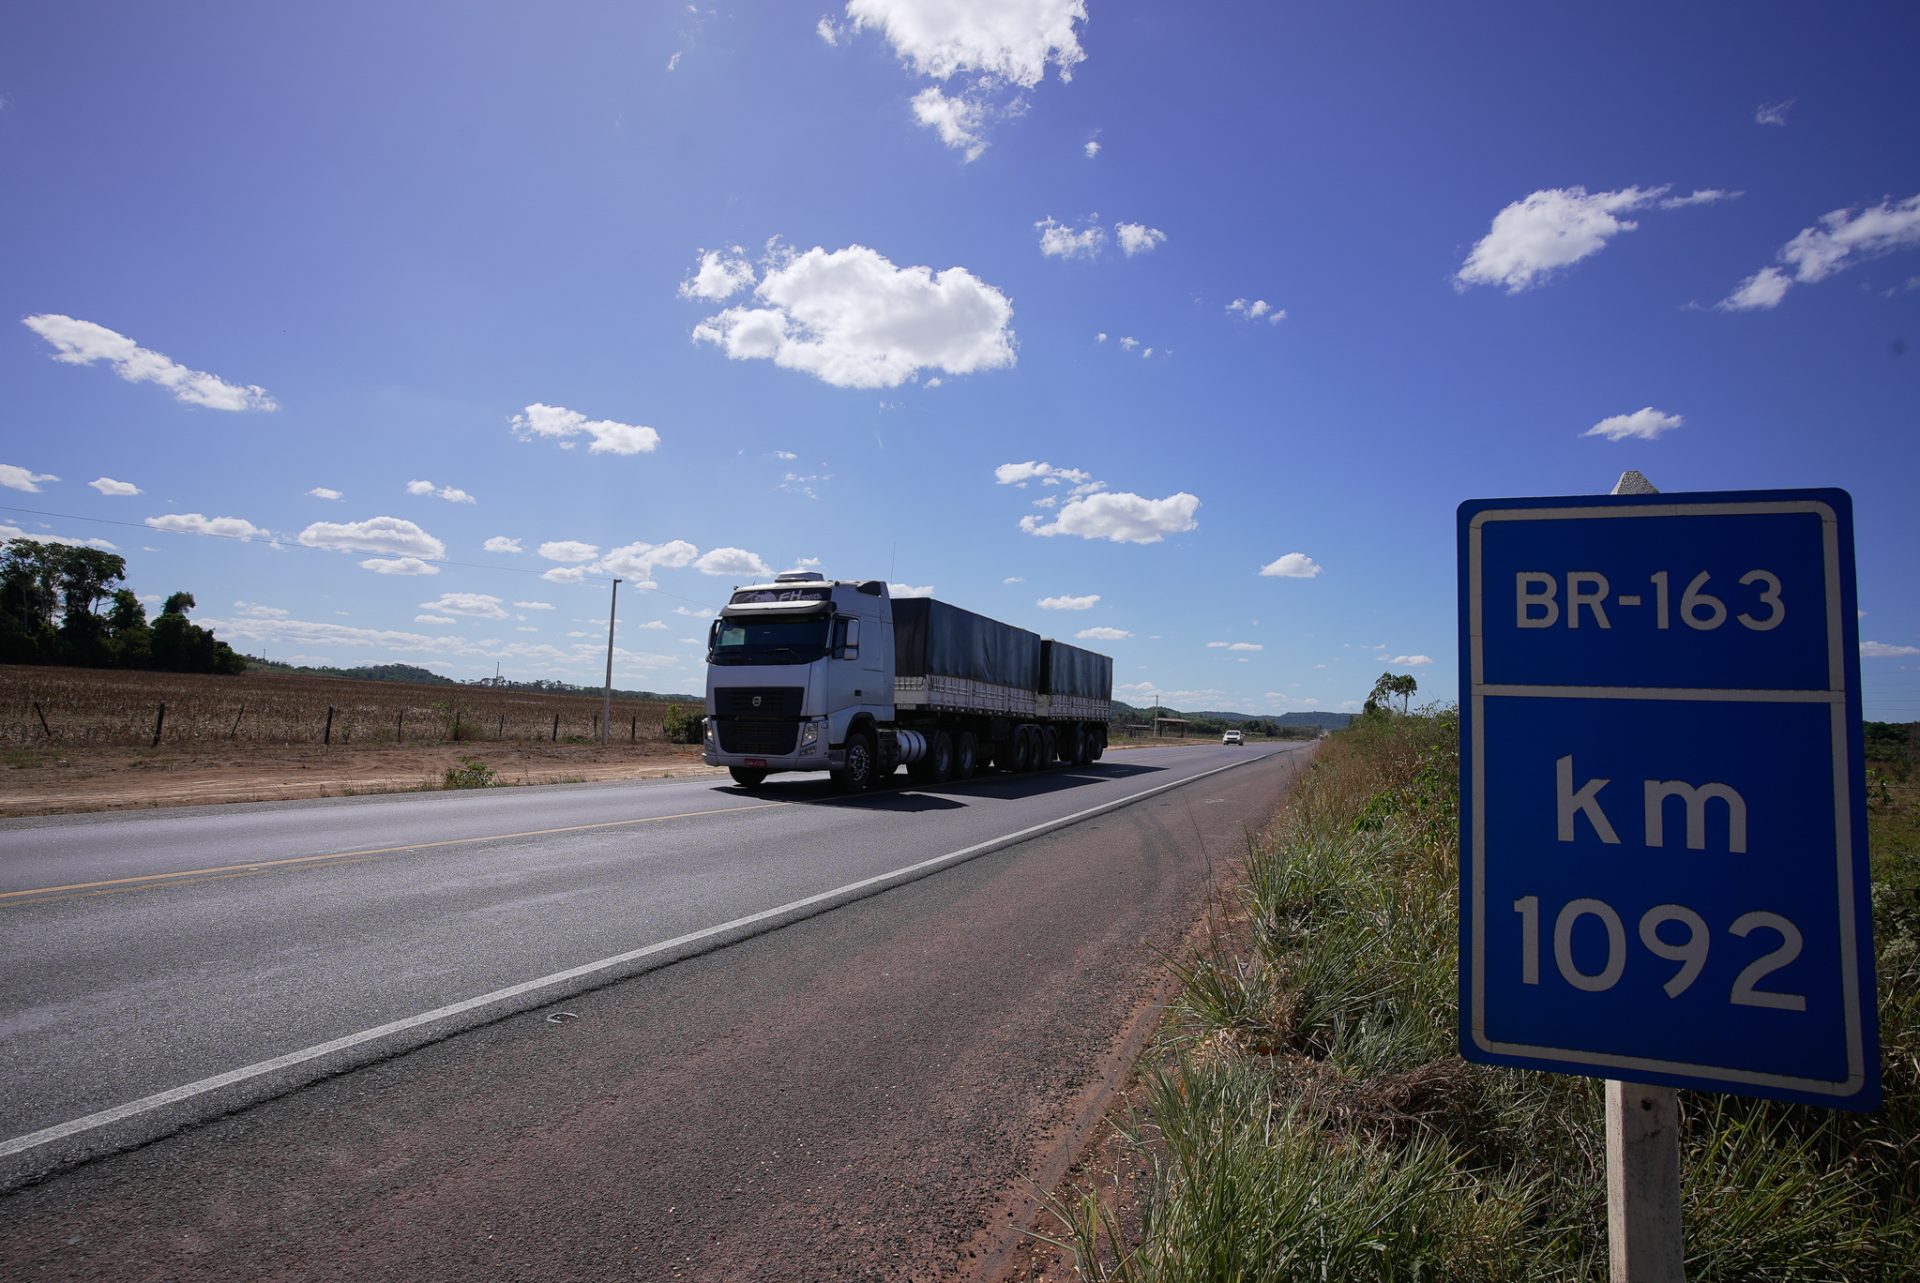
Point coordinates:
pixel 51 596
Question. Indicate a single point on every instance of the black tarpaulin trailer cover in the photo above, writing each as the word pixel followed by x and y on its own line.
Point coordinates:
pixel 933 639
pixel 1068 670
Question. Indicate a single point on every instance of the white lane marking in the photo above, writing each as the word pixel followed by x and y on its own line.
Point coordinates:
pixel 874 884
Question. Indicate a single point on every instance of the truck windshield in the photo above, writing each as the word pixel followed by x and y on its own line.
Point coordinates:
pixel 778 640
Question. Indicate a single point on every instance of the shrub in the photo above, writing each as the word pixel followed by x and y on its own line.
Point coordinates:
pixel 472 773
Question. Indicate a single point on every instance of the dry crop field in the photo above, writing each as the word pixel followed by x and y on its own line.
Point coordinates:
pixel 77 708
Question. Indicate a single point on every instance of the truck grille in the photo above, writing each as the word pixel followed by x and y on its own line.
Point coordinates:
pixel 759 701
pixel 768 738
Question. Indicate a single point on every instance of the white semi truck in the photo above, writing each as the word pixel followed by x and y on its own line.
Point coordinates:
pixel 807 674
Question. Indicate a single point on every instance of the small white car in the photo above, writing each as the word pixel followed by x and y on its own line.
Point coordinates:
pixel 1232 737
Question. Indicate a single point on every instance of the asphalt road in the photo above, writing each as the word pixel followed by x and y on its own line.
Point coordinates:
pixel 163 969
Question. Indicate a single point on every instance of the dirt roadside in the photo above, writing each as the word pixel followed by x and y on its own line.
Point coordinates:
pixel 63 782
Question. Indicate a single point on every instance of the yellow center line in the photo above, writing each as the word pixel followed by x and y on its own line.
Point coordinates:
pixel 254 865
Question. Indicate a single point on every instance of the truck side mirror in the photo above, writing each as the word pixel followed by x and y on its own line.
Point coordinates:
pixel 713 638
pixel 846 639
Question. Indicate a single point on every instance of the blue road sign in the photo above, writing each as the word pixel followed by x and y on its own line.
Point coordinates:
pixel 1662 830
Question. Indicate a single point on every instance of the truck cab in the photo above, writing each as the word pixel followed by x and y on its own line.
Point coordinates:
pixel 793 667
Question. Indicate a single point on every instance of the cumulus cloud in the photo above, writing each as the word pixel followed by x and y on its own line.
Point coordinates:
pixel 909 590
pixel 959 119
pixel 108 486
pixel 14 477
pixel 399 566
pixel 1258 309
pixel 192 523
pixel 721 274
pixel 1235 646
pixel 534 605
pixel 1293 565
pixel 1120 517
pixel 1411 661
pixel 1010 40
pixel 1014 474
pixel 435 619
pixel 1548 230
pixel 82 343
pixel 1057 240
pixel 1773 113
pixel 1138 238
pixel 394 535
pixel 1014 579
pixel 569 550
pixel 473 605
pixel 1645 423
pixel 1885 650
pixel 450 493
pixel 561 424
pixel 1068 603
pixel 323 492
pixel 635 561
pixel 733 561
pixel 1092 148
pixel 1102 633
pixel 827 31
pixel 501 543
pixel 1840 240
pixel 852 319
pixel 566 575
pixel 1704 196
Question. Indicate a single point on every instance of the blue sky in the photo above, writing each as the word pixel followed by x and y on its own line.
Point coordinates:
pixel 685 293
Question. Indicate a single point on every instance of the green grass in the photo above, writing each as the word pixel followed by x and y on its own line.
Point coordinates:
pixel 1306 1116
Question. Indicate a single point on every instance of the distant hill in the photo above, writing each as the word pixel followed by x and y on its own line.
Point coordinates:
pixel 1324 721
pixel 413 674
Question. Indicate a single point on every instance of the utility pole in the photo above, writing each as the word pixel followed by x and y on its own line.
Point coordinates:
pixel 606 695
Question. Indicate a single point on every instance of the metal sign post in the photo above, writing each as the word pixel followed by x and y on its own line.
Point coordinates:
pixel 1664 878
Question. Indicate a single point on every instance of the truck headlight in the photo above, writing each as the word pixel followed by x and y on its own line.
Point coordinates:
pixel 712 736
pixel 809 736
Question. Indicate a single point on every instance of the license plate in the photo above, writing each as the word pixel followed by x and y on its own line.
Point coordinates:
pixel 756 761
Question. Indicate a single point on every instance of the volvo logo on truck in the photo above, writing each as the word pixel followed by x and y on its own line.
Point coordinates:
pixel 804 674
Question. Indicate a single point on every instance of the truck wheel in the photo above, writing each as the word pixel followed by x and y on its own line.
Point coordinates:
pixel 1099 745
pixel 861 770
pixel 747 777
pixel 1049 749
pixel 1077 744
pixel 1019 757
pixel 940 757
pixel 965 750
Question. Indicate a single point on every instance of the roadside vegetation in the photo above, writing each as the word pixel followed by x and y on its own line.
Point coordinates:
pixel 1306 1115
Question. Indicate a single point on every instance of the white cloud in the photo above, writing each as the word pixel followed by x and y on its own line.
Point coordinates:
pixel 376 534
pixel 1884 650
pixel 449 493
pixel 253 609
pixel 1128 342
pixel 18 478
pixel 1057 240
pixel 108 486
pixel 569 550
pixel 1235 646
pixel 501 543
pixel 721 274
pixel 1293 565
pixel 399 566
pixel 1550 229
pixel 1010 40
pixel 1068 603
pixel 565 575
pixel 852 319
pixel 1764 289
pixel 827 31
pixel 635 561
pixel 786 456
pixel 474 605
pixel 673 63
pixel 657 625
pixel 534 605
pixel 1773 113
pixel 1645 423
pixel 435 619
pixel 1138 238
pixel 1013 474
pixel 691 613
pixel 1102 633
pixel 1411 661
pixel 561 424
pixel 1120 517
pixel 733 561
pixel 192 523
pixel 959 119
pixel 1051 501
pixel 1842 238
pixel 908 590
pixel 1704 196
pixel 1092 148
pixel 323 492
pixel 82 343
pixel 1255 309
pixel 1014 579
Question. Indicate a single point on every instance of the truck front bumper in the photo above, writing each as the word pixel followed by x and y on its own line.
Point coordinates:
pixel 811 752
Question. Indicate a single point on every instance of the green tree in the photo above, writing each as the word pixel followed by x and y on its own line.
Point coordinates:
pixel 129 639
pixel 181 646
pixel 1389 685
pixel 48 595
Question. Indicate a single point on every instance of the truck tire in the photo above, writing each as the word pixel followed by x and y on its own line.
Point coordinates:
pixel 939 757
pixel 861 771
pixel 1049 749
pixel 1019 755
pixel 1076 753
pixel 1099 745
pixel 748 777
pixel 965 750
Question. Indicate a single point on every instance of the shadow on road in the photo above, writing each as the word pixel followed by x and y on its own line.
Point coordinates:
pixel 899 792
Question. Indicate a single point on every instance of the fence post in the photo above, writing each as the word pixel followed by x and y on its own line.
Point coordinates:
pixel 158 722
pixel 633 729
pixel 556 728
pixel 43 719
pixel 456 726
pixel 500 732
pixel 326 736
pixel 234 734
pixel 400 728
